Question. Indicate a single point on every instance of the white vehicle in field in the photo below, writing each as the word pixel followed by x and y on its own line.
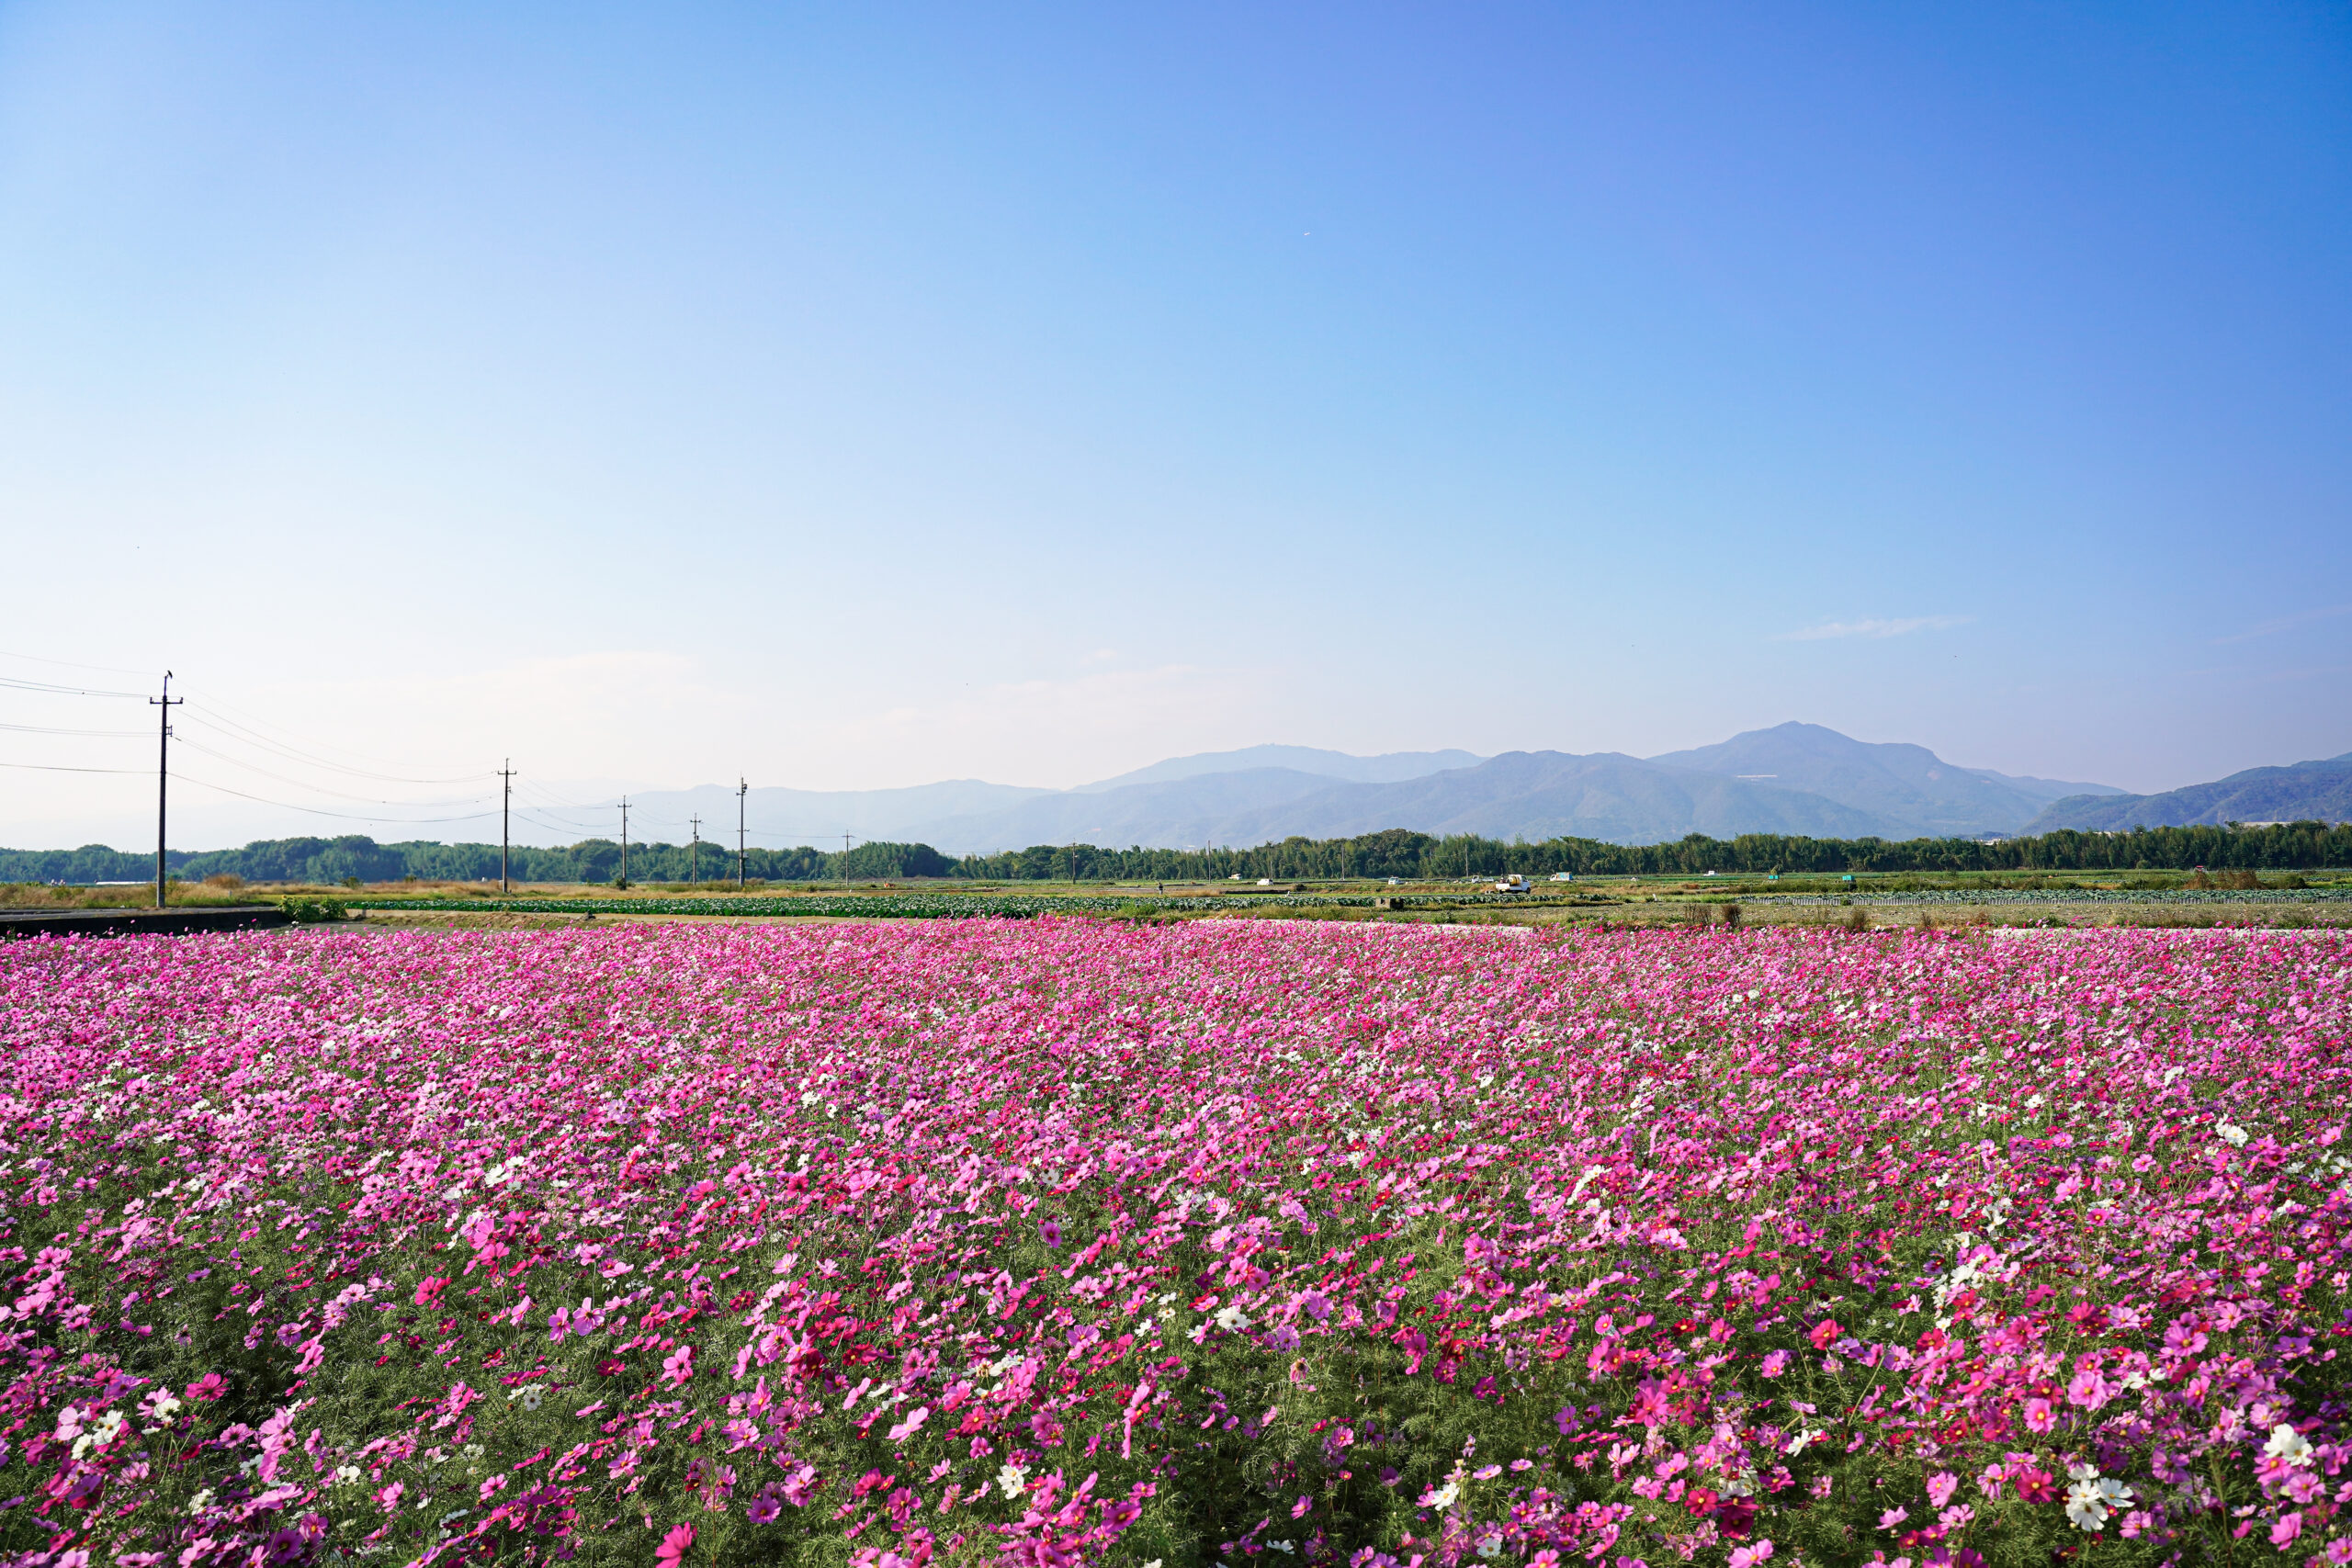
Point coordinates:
pixel 1563 877
pixel 1514 883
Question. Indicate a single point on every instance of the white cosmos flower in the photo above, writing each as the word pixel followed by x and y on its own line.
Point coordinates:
pixel 1011 1480
pixel 2287 1444
pixel 2092 1497
pixel 1231 1318
pixel 100 1436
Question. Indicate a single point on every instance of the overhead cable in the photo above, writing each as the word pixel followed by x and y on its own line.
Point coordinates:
pixel 243 735
pixel 53 768
pixel 316 811
pixel 305 783
pixel 47 729
pixel 12 683
pixel 74 664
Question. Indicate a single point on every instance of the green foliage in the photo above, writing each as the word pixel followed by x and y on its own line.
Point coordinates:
pixel 305 911
pixel 2273 852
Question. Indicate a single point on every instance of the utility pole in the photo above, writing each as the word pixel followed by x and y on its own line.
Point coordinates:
pixel 163 705
pixel 742 877
pixel 694 866
pixel 624 840
pixel 505 807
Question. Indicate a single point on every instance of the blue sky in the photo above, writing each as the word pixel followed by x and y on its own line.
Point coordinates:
pixel 860 396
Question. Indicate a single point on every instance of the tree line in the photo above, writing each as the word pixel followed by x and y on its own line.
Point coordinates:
pixel 2292 846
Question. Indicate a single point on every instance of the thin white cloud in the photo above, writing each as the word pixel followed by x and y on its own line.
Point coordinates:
pixel 2284 623
pixel 1874 628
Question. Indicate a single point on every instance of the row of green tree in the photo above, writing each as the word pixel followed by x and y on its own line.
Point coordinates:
pixel 2297 846
pixel 355 855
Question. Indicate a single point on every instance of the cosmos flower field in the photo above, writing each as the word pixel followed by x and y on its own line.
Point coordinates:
pixel 1058 1242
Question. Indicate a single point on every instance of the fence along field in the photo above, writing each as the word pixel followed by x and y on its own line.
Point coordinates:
pixel 1059 1241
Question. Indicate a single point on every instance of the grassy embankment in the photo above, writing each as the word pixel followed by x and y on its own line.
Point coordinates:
pixel 1992 898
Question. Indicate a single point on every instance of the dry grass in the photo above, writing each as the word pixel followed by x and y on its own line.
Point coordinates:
pixel 135 896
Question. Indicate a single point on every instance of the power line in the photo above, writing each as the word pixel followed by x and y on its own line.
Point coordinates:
pixel 231 730
pixel 12 683
pixel 54 767
pixel 48 729
pixel 548 802
pixel 318 789
pixel 262 728
pixel 313 810
pixel 74 664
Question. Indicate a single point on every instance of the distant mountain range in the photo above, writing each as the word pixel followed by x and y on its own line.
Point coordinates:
pixel 1795 778
pixel 1390 767
pixel 2303 792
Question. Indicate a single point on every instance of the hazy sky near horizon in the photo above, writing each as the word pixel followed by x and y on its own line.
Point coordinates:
pixel 847 397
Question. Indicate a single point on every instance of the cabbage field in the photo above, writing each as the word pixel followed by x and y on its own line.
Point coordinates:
pixel 1057 1241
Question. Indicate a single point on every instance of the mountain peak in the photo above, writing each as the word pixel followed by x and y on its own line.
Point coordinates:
pixel 1389 767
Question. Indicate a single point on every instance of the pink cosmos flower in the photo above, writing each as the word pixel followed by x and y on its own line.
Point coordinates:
pixel 209 1386
pixel 1775 1362
pixel 2087 1389
pixel 2039 1415
pixel 1940 1487
pixel 1748 1556
pixel 673 1549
